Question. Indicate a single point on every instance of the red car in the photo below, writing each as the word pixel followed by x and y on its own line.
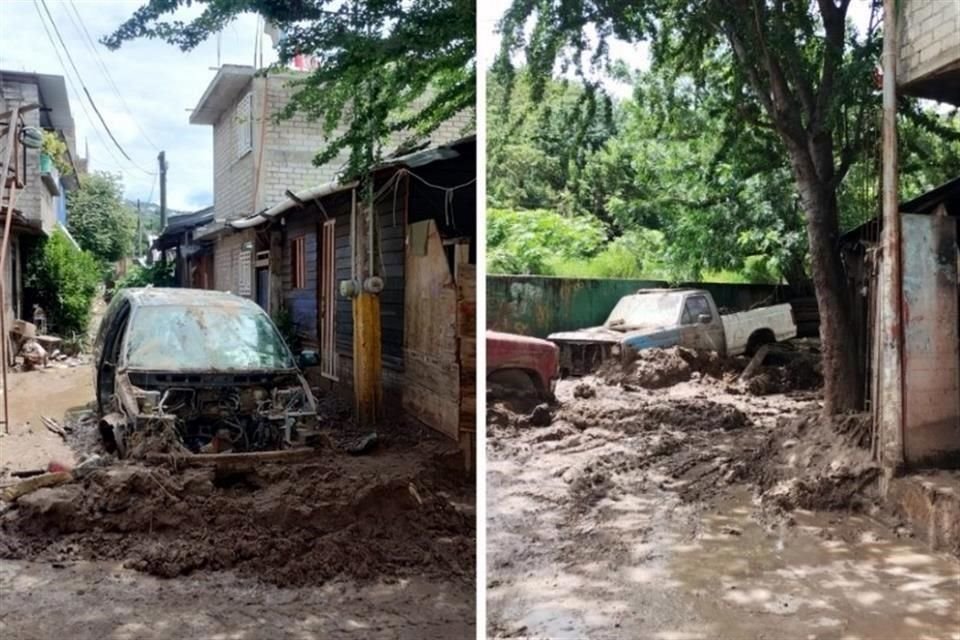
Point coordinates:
pixel 522 364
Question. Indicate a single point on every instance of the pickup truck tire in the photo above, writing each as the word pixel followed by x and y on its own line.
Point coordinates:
pixel 759 338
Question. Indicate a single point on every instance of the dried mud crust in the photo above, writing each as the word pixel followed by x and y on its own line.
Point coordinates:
pixel 388 515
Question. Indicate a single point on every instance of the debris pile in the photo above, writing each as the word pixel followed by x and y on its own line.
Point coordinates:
pixel 781 368
pixel 813 463
pixel 289 524
pixel 784 371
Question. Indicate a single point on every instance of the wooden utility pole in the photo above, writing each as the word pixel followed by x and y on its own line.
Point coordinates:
pixel 890 366
pixel 367 356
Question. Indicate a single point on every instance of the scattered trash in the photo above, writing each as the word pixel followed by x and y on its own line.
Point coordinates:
pixel 365 445
pixel 54 427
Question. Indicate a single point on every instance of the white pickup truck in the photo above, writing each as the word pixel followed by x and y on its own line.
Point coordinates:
pixel 672 317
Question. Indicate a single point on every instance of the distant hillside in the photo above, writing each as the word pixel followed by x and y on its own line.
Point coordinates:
pixel 150 213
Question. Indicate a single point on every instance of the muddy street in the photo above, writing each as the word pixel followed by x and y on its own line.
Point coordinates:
pixel 104 600
pixel 315 545
pixel 687 507
pixel 50 392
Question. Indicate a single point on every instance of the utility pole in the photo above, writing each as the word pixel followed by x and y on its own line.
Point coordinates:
pixel 890 366
pixel 162 158
pixel 136 247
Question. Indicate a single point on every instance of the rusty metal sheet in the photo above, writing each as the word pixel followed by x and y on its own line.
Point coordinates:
pixel 931 342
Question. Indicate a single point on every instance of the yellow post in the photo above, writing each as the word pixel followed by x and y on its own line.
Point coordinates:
pixel 367 385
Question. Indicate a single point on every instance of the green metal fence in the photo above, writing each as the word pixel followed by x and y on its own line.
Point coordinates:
pixel 540 305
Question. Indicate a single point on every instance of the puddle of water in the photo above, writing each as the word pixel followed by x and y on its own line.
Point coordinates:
pixel 831 572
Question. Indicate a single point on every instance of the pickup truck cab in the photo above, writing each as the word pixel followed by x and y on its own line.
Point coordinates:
pixel 521 364
pixel 672 317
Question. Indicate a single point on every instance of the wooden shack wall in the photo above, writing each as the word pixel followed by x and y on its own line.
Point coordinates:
pixel 431 390
pixel 466 277
pixel 390 214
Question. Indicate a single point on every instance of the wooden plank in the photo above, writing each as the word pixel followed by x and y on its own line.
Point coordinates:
pixel 30 485
pixel 253 457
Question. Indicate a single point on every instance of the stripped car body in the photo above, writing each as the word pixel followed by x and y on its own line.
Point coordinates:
pixel 662 318
pixel 207 367
pixel 518 362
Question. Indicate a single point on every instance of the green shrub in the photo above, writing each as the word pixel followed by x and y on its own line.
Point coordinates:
pixel 287 328
pixel 157 274
pixel 528 241
pixel 64 281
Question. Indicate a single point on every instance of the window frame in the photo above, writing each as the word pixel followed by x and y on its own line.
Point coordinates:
pixel 243 125
pixel 298 262
pixel 688 312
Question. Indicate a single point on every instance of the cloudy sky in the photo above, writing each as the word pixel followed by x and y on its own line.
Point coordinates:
pixel 158 85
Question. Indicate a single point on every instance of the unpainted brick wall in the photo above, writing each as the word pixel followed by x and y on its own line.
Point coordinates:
pixel 290 145
pixel 233 173
pixel 34 200
pixel 929 37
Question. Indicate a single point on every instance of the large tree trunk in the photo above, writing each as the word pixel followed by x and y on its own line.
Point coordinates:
pixel 843 388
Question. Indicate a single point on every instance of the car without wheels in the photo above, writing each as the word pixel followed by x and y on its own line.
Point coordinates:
pixel 208 366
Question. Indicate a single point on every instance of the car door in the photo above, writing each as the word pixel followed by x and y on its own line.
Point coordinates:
pixel 107 352
pixel 700 326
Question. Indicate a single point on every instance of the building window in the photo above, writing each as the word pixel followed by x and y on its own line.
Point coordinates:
pixel 243 124
pixel 298 263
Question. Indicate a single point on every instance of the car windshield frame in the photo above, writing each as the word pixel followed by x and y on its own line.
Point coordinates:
pixel 283 361
pixel 628 308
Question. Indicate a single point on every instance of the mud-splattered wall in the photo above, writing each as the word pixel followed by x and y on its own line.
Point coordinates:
pixel 540 305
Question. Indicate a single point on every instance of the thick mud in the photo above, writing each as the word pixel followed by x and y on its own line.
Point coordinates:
pixel 406 508
pixel 607 521
pixel 787 367
pixel 102 600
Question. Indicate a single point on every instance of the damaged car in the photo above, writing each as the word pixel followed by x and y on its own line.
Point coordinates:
pixel 659 318
pixel 207 369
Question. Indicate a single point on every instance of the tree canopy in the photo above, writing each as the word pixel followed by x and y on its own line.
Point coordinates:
pixel 384 66
pixel 99 220
pixel 663 160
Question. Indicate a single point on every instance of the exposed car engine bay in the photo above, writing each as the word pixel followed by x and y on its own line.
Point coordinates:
pixel 213 412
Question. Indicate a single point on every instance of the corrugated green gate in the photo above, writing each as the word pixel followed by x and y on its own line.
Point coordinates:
pixel 540 305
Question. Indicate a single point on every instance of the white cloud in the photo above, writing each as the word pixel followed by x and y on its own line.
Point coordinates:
pixel 158 82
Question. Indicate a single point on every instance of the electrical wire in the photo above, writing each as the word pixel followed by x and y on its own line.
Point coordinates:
pixel 76 92
pixel 152 185
pixel 87 91
pixel 106 71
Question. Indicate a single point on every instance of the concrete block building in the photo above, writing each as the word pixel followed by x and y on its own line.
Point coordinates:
pixel 41 190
